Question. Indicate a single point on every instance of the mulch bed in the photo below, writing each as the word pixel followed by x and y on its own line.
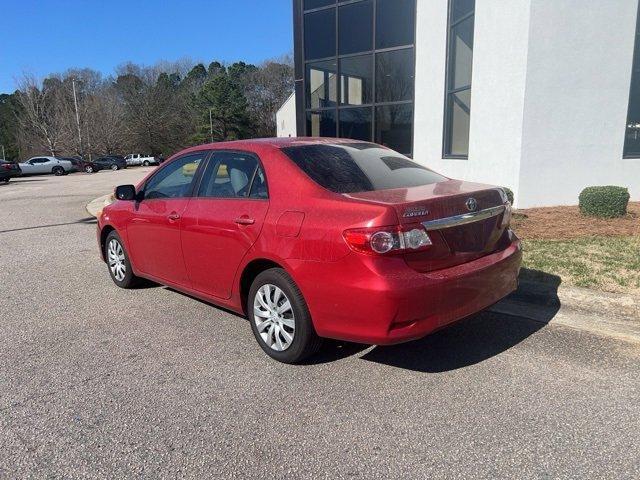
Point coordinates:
pixel 566 223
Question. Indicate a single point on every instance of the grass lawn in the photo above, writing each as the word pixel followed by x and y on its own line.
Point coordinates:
pixel 582 251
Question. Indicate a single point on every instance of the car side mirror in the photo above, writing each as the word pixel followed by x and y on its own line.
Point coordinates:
pixel 126 192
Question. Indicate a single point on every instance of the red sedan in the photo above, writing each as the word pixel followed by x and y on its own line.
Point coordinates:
pixel 314 238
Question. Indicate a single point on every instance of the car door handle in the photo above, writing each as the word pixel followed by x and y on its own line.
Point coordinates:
pixel 174 216
pixel 244 220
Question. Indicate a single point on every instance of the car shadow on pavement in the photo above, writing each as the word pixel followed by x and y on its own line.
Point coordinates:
pixel 481 336
pixel 471 341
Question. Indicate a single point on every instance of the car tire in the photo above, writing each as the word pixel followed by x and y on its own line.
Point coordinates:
pixel 6 180
pixel 57 171
pixel 118 263
pixel 88 169
pixel 114 167
pixel 272 333
pixel 145 163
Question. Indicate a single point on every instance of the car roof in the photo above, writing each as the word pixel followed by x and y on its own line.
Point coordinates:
pixel 262 143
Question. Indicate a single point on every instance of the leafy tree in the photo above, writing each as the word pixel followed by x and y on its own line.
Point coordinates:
pixel 215 69
pixel 9 126
pixel 223 109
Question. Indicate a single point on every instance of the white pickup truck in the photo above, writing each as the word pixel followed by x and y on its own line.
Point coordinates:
pixel 138 159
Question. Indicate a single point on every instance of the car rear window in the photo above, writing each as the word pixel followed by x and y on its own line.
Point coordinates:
pixel 359 167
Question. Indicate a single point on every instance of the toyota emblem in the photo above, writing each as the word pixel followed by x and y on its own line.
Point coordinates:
pixel 472 204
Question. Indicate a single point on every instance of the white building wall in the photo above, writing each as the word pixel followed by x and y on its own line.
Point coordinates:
pixel 286 118
pixel 497 93
pixel 577 93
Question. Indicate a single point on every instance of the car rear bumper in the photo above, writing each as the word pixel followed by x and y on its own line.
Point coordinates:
pixel 398 304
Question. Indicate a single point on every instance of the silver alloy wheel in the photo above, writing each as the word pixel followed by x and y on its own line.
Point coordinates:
pixel 116 260
pixel 114 167
pixel 274 318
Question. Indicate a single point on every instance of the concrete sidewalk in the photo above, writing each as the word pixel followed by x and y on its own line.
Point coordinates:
pixel 611 314
pixel 95 206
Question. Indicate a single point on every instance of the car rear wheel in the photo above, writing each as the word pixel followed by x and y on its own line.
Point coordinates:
pixel 88 169
pixel 118 262
pixel 114 167
pixel 280 319
pixel 145 163
pixel 57 171
pixel 6 180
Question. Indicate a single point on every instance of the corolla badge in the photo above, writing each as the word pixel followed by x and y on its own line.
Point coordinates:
pixel 415 211
pixel 472 204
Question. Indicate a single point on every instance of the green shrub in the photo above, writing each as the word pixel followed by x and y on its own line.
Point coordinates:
pixel 509 193
pixel 607 202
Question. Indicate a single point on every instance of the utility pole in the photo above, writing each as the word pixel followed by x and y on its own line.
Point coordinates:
pixel 210 125
pixel 75 101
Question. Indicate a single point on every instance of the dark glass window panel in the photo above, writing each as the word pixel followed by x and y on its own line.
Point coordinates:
pixel 355 123
pixel 460 8
pixel 394 125
pixel 322 84
pixel 359 167
pixel 355 27
pixel 309 4
pixel 461 54
pixel 321 124
pixel 394 75
pixel 459 105
pixel 356 77
pixel 632 131
pixel 395 23
pixel 320 34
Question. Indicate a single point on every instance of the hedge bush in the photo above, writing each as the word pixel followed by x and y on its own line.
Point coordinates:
pixel 509 194
pixel 607 201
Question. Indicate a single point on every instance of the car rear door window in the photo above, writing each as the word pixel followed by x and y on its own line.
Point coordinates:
pixel 359 167
pixel 175 179
pixel 233 175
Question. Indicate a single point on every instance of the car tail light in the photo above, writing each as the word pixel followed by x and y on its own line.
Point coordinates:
pixel 387 240
pixel 506 216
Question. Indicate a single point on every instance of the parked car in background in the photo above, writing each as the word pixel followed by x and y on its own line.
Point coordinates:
pixel 138 159
pixel 114 163
pixel 43 165
pixel 315 238
pixel 81 165
pixel 8 170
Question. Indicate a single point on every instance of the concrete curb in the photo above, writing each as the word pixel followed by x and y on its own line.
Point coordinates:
pixel 95 206
pixel 611 314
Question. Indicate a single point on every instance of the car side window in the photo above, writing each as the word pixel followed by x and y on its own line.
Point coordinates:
pixel 175 179
pixel 230 175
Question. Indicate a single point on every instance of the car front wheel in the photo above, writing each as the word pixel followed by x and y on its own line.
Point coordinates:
pixel 88 169
pixel 114 167
pixel 118 262
pixel 280 319
pixel 57 171
pixel 145 163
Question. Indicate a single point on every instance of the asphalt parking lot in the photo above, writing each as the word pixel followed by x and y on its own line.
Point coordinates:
pixel 99 382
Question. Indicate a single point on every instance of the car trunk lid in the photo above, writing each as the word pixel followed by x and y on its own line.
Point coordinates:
pixel 463 220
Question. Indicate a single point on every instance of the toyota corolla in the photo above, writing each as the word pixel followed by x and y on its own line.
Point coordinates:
pixel 315 238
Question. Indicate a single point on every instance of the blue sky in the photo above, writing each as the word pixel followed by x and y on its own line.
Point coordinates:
pixel 48 36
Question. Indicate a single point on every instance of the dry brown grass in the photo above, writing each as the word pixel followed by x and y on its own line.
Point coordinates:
pixel 566 223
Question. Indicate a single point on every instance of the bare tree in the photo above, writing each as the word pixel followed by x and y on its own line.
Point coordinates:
pixel 267 89
pixel 42 116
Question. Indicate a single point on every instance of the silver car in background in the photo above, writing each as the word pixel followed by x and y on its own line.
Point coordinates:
pixel 44 165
